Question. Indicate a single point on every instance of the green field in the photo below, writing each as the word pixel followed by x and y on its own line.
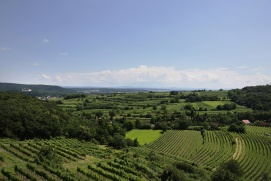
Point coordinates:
pixel 251 150
pixel 136 105
pixel 86 161
pixel 81 161
pixel 214 104
pixel 144 136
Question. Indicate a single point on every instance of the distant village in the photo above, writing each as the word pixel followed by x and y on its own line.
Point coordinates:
pixel 44 98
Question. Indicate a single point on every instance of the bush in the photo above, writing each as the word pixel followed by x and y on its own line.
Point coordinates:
pixel 237 128
pixel 229 171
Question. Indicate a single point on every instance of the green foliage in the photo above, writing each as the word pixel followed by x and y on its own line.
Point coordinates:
pixel 9 175
pixel 48 155
pixel 194 97
pixel 174 93
pixel 24 117
pixel 72 96
pixel 135 143
pixel 255 97
pixel 191 170
pixel 59 102
pixel 183 124
pixel 189 107
pixel 266 177
pixel 118 141
pixel 228 107
pixel 228 171
pixel 238 128
pixel 152 156
pixel 129 125
pixel 171 173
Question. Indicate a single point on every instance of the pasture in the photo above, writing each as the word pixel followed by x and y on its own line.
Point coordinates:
pixel 144 136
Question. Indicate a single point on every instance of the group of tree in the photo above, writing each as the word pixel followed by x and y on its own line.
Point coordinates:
pixel 227 106
pixel 119 141
pixel 238 127
pixel 254 97
pixel 195 97
pixel 72 96
pixel 24 117
pixel 48 155
pixel 228 171
pixel 182 171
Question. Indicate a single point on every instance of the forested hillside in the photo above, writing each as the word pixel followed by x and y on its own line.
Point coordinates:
pixel 36 90
pixel 26 117
pixel 23 116
pixel 255 97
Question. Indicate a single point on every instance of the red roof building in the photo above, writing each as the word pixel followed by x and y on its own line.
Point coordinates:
pixel 246 121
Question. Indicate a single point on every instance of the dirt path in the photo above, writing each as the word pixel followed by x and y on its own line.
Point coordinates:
pixel 238 150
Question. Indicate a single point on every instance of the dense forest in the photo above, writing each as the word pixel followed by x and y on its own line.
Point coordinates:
pixel 255 97
pixel 23 116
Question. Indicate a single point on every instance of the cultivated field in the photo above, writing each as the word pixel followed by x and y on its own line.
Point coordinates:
pixel 251 150
pixel 82 161
pixel 144 136
pixel 86 161
pixel 138 105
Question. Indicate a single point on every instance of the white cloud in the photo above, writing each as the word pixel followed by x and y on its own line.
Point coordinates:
pixel 242 67
pixel 221 68
pixel 4 49
pixel 35 64
pixel 63 53
pixel 258 69
pixel 45 76
pixel 161 77
pixel 45 40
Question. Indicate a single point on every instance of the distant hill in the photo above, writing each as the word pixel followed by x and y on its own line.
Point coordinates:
pixel 36 90
pixel 94 90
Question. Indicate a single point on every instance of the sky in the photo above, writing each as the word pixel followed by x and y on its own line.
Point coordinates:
pixel 142 43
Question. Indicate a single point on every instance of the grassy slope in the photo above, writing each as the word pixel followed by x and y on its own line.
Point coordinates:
pixel 144 136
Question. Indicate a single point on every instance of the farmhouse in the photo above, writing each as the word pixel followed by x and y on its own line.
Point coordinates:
pixel 246 121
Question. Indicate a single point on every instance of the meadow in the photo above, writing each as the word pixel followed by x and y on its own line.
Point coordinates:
pixel 144 136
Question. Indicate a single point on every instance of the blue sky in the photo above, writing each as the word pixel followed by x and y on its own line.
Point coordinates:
pixel 144 43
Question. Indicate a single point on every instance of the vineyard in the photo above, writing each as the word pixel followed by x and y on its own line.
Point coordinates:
pixel 81 161
pixel 87 161
pixel 251 150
